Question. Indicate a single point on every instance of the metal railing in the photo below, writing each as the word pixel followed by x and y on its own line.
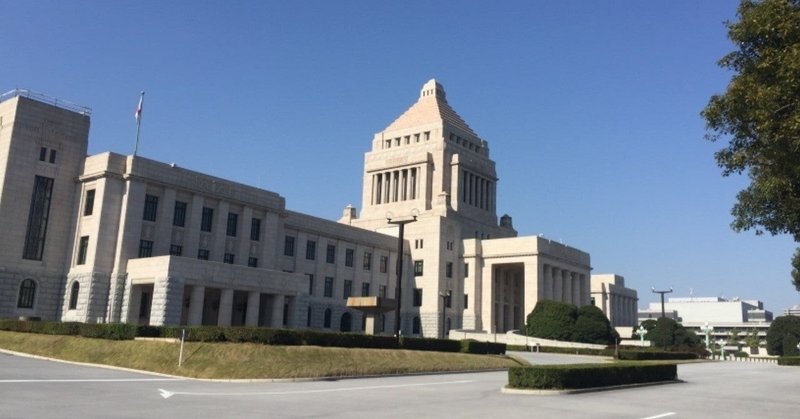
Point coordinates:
pixel 41 97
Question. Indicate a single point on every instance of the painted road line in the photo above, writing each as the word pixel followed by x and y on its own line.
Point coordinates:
pixel 167 394
pixel 663 415
pixel 90 380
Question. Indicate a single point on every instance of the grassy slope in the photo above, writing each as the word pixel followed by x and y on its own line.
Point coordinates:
pixel 241 361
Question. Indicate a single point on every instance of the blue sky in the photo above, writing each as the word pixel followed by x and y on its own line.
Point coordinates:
pixel 591 110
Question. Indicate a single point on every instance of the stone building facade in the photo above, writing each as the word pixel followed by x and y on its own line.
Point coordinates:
pixel 620 304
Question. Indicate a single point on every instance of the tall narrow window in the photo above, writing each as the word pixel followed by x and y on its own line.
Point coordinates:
pixel 310 284
pixel 175 250
pixel 52 156
pixel 150 207
pixel 418 268
pixel 88 202
pixel 328 286
pixel 367 261
pixel 417 297
pixel 288 246
pixel 466 301
pixel 327 321
pixel 365 289
pixel 384 264
pixel 233 224
pixel 43 154
pixel 348 288
pixel 228 258
pixel 27 291
pixel 207 219
pixel 348 257
pixel 73 295
pixel 255 229
pixel 145 248
pixel 311 249
pixel 382 291
pixel 179 214
pixel 448 269
pixel 37 218
pixel 83 246
pixel 466 270
pixel 330 254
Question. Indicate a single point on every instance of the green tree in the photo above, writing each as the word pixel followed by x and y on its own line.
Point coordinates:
pixel 759 115
pixel 780 328
pixel 592 326
pixel 552 320
pixel 667 333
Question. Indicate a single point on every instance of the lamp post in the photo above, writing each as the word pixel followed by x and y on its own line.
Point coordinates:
pixel 721 344
pixel 401 223
pixel 641 332
pixel 445 295
pixel 706 329
pixel 663 314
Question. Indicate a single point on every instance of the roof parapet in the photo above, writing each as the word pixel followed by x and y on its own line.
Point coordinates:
pixel 41 97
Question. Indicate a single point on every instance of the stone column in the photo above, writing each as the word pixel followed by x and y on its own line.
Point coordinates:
pixel 547 283
pixel 277 311
pixel 576 289
pixel 253 301
pixel 566 282
pixel 558 284
pixel 196 302
pixel 225 307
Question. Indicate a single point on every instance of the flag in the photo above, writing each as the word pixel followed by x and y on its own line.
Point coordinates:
pixel 138 113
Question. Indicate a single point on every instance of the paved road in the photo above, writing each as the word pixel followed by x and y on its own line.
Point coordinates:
pixel 33 388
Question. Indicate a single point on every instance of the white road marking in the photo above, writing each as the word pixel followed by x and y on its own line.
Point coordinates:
pixel 167 394
pixel 663 415
pixel 90 380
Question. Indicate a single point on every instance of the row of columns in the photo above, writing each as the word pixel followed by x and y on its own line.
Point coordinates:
pixel 477 191
pixel 566 286
pixel 623 310
pixel 394 186
pixel 225 310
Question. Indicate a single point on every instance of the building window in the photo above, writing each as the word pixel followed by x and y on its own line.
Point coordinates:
pixel 252 262
pixel 203 254
pixel 150 207
pixel 88 203
pixel 417 297
pixel 365 289
pixel 228 258
pixel 52 156
pixel 255 229
pixel 311 249
pixel 417 268
pixel 37 218
pixel 348 257
pixel 382 291
pixel 310 284
pixel 27 291
pixel 448 269
pixel 448 300
pixel 327 322
pixel 384 264
pixel 73 295
pixel 418 244
pixel 330 254
pixel 145 248
pixel 175 250
pixel 466 270
pixel 329 286
pixel 179 214
pixel 288 246
pixel 43 154
pixel 367 261
pixel 466 301
pixel 233 224
pixel 416 326
pixel 308 317
pixel 83 247
pixel 207 219
pixel 348 288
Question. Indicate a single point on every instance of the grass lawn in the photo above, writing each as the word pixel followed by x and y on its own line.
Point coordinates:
pixel 244 360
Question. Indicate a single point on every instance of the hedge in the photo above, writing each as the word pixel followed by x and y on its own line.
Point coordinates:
pixel 653 355
pixel 475 347
pixel 579 376
pixel 112 331
pixel 563 350
pixel 789 361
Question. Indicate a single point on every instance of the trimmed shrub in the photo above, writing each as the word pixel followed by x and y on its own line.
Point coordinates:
pixel 474 347
pixel 654 355
pixel 552 320
pixel 790 345
pixel 578 376
pixel 592 326
pixel 789 361
pixel 778 330
pixel 424 344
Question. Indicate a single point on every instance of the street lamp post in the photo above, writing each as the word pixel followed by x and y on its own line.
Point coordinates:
pixel 707 330
pixel 445 295
pixel 663 313
pixel 721 343
pixel 641 332
pixel 401 223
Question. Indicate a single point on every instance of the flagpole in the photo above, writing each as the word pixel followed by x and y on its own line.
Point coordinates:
pixel 138 116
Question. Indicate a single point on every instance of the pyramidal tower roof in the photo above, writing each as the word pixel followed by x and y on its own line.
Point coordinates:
pixel 431 107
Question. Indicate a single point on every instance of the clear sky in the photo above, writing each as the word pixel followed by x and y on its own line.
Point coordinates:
pixel 591 110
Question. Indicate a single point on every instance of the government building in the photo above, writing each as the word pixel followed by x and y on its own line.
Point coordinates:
pixel 122 238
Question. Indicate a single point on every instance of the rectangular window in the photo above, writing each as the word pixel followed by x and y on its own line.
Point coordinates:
pixel 417 268
pixel 88 203
pixel 466 270
pixel 228 258
pixel 417 297
pixel 38 216
pixel 179 214
pixel 150 207
pixel 145 248
pixel 330 254
pixel 329 286
pixel 310 284
pixel 207 219
pixel 175 250
pixel 202 254
pixel 448 269
pixel 52 156
pixel 43 154
pixel 348 257
pixel 252 262
pixel 311 249
pixel 382 291
pixel 466 301
pixel 233 224
pixel 288 246
pixel 83 246
pixel 255 229
pixel 384 264
pixel 448 300
pixel 367 261
pixel 348 288
pixel 365 289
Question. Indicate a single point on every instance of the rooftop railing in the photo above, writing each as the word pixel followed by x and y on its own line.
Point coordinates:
pixel 41 97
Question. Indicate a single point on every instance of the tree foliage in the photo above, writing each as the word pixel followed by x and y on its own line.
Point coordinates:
pixel 759 115
pixel 592 326
pixel 778 331
pixel 667 333
pixel 566 322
